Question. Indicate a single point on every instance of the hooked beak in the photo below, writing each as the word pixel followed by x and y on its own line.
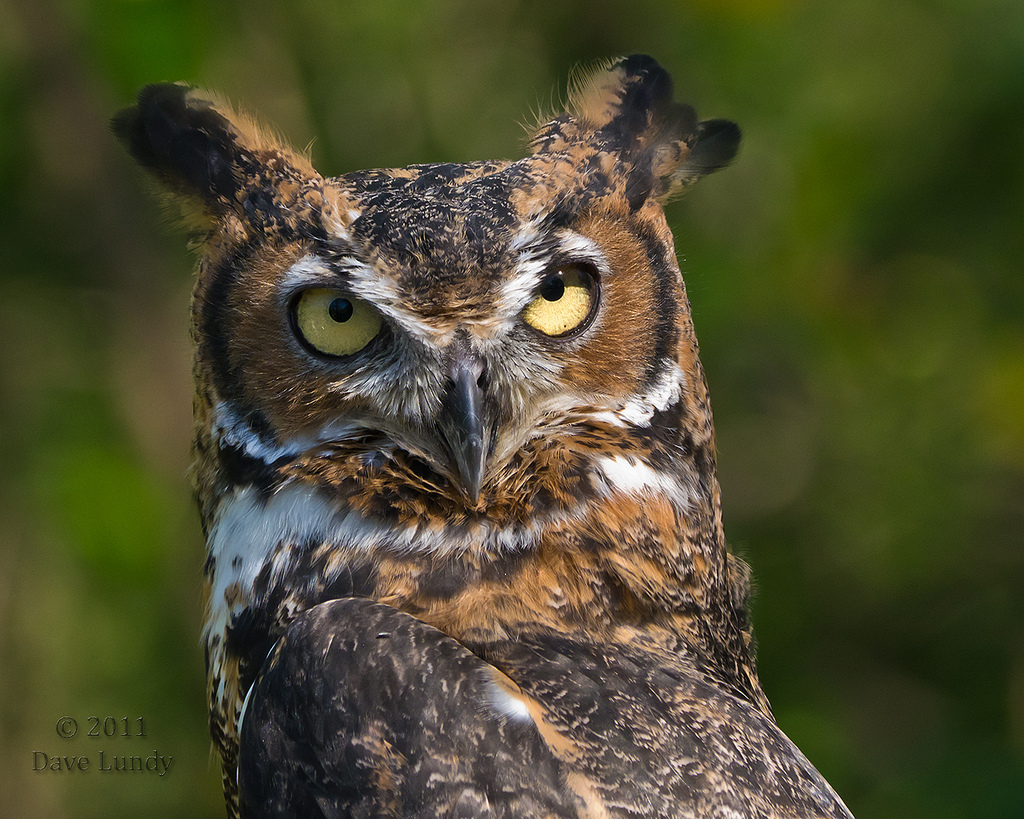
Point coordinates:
pixel 462 421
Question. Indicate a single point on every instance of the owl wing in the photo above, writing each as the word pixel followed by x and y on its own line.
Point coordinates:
pixel 656 736
pixel 362 710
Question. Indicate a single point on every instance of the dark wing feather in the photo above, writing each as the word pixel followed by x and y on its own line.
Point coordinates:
pixel 657 736
pixel 362 711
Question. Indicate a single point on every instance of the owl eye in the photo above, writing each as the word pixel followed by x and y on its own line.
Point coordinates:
pixel 334 323
pixel 565 302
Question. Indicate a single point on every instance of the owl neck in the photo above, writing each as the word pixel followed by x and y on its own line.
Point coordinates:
pixel 609 531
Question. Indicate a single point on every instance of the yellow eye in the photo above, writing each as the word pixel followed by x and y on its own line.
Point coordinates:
pixel 566 300
pixel 334 323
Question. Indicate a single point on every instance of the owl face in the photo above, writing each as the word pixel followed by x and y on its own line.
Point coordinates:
pixel 440 317
pixel 451 342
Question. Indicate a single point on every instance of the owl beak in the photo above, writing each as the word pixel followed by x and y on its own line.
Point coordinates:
pixel 462 421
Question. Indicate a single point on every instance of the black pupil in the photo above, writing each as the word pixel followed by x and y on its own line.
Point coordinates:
pixel 340 310
pixel 553 289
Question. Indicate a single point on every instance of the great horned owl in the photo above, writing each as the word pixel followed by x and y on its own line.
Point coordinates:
pixel 455 464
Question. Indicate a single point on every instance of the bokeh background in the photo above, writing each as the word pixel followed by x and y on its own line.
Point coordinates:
pixel 856 280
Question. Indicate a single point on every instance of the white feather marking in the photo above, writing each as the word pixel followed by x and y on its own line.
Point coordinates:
pixel 632 477
pixel 248 694
pixel 509 706
pixel 229 429
pixel 665 392
pixel 519 289
pixel 525 237
pixel 609 417
pixel 381 290
pixel 582 249
pixel 245 705
pixel 307 270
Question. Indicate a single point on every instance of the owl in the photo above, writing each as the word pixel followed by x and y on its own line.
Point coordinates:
pixel 455 465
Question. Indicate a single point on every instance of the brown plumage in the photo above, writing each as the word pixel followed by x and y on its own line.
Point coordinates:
pixel 455 463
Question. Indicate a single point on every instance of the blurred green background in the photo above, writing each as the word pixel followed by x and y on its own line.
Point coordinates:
pixel 856 280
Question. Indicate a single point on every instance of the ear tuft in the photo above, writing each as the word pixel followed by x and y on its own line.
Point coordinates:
pixel 626 109
pixel 622 94
pixel 718 141
pixel 646 93
pixel 210 159
pixel 186 143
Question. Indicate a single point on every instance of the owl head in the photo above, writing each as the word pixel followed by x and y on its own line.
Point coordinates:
pixel 430 337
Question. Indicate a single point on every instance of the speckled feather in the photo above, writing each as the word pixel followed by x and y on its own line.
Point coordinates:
pixel 396 629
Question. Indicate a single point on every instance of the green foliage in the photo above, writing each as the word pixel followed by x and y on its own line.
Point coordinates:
pixel 857 286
